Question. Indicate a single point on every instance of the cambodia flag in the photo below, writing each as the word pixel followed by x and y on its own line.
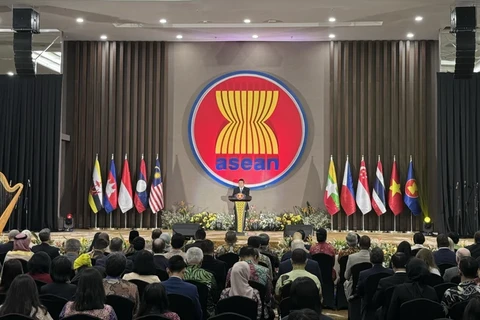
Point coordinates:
pixel 347 196
pixel 411 191
pixel 125 201
pixel 363 190
pixel 378 194
pixel 111 197
pixel 141 201
pixel 394 191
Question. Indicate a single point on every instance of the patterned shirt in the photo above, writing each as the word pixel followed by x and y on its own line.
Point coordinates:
pixel 323 247
pixel 107 313
pixel 348 251
pixel 256 297
pixel 266 260
pixel 123 288
pixel 464 291
pixel 228 248
pixel 195 273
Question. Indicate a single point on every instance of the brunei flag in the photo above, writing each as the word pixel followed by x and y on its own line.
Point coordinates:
pixel 331 198
pixel 95 195
pixel 395 192
pixel 411 191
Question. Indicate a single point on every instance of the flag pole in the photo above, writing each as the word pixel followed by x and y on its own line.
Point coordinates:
pixel 394 223
pixel 96 221
pixel 331 222
pixel 411 222
pixel 111 213
pixel 156 219
pixel 348 229
pixel 141 220
pixel 379 223
pixel 125 218
pixel 363 222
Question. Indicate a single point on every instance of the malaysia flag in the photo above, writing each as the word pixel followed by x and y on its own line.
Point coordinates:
pixel 156 190
pixel 141 201
pixel 347 196
pixel 363 191
pixel 111 197
pixel 378 194
pixel 125 201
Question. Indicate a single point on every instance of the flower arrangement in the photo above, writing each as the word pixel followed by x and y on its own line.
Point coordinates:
pixel 206 219
pixel 268 221
pixel 224 221
pixel 316 217
pixel 287 219
pixel 181 212
pixel 253 219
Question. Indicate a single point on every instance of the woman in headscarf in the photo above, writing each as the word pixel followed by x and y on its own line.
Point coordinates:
pixel 240 287
pixel 21 248
pixel 82 263
pixel 417 273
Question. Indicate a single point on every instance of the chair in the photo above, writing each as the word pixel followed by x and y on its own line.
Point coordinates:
pixel 262 290
pixel 81 317
pixel 285 306
pixel 181 305
pixel 286 290
pixel 15 316
pixel 456 311
pixel 415 251
pixel 24 265
pixel 443 267
pixel 386 301
pixel 152 317
pixel 3 296
pixel 39 284
pixel 94 262
pixel 123 306
pixel 434 280
pixel 441 288
pixel 371 285
pixel 326 263
pixel 456 280
pixel 54 304
pixel 421 309
pixel 8 199
pixel 162 275
pixel 140 285
pixel 241 305
pixel 227 316
pixel 202 296
pixel 354 302
pixel 340 299
pixel 229 258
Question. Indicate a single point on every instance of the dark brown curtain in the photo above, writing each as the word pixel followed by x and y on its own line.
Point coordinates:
pixel 382 103
pixel 114 105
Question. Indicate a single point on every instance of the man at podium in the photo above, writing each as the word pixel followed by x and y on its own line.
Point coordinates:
pixel 241 189
pixel 240 197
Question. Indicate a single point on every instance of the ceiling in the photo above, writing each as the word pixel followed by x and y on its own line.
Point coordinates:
pixel 222 20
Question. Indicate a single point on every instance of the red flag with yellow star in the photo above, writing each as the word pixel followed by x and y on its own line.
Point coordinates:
pixel 395 201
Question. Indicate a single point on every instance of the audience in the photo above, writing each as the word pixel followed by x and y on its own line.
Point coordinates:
pixel 72 249
pixel 376 258
pixel 322 246
pixel 405 247
pixel 89 298
pixel 263 260
pixel 21 248
pixel 452 272
pixel 11 269
pixel 95 238
pixel 82 263
pixel 22 298
pixel 158 249
pixel 305 314
pixel 131 236
pixel 200 236
pixel 99 249
pixel 295 244
pixel 352 242
pixel 155 302
pixel 176 285
pixel 60 272
pixel 156 233
pixel 45 246
pixel 360 257
pixel 39 267
pixel 475 248
pixel 166 237
pixel 455 238
pixel 304 294
pixel 138 246
pixel 265 249
pixel 8 246
pixel 451 244
pixel 311 266
pixel 240 286
pixel 178 240
pixel 443 255
pixel 217 267
pixel 116 245
pixel 473 309
pixel 143 268
pixel 427 256
pixel 230 245
pixel 418 241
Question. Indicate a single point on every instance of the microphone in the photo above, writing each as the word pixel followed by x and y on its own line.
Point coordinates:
pixel 456 187
pixel 464 184
pixel 29 185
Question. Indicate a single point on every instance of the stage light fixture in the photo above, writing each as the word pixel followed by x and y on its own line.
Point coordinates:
pixel 331 36
pixel 162 21
pixel 427 225
pixel 332 19
pixel 68 222
pixel 179 36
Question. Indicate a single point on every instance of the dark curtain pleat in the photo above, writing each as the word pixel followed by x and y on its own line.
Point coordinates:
pixel 380 105
pixel 114 106
pixel 458 151
pixel 30 143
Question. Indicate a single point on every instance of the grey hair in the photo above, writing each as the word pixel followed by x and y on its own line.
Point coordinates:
pixel 72 245
pixel 12 234
pixel 297 244
pixel 194 255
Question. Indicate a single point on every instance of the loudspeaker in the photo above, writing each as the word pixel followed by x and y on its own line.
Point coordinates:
pixel 290 230
pixel 465 54
pixel 463 19
pixel 22 50
pixel 26 20
pixel 186 229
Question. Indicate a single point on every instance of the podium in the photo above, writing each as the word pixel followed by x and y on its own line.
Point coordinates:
pixel 240 208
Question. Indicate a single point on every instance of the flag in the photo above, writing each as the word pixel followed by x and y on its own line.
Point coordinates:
pixel 330 198
pixel 125 201
pixel 95 196
pixel 141 201
pixel 394 191
pixel 156 190
pixel 363 191
pixel 378 193
pixel 111 196
pixel 411 191
pixel 347 196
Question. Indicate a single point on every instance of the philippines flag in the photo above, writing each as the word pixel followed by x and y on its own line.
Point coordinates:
pixel 125 201
pixel 378 194
pixel 141 201
pixel 363 191
pixel 111 197
pixel 156 190
pixel 347 196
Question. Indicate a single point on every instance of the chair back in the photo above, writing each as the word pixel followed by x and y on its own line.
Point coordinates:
pixel 340 299
pixel 456 311
pixel 229 258
pixel 285 307
pixel 162 275
pixel 443 267
pixel 387 300
pixel 202 296
pixel 421 309
pixel 123 306
pixel 81 316
pixel 229 316
pixel 434 280
pixel 415 251
pixel 39 284
pixel 15 316
pixel 356 269
pixel 326 263
pixel 343 266
pixel 237 304
pixel 140 285
pixel 152 317
pixel 54 304
pixel 286 290
pixel 371 285
pixel 8 199
pixel 262 290
pixel 24 265
pixel 456 280
pixel 441 288
pixel 182 305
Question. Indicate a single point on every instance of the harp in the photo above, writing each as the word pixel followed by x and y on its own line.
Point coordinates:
pixel 9 196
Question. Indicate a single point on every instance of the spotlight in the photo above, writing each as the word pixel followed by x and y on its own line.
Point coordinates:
pixel 179 36
pixel 255 36
pixel 162 21
pixel 332 19
pixel 246 21
pixel 68 222
pixel 418 18
pixel 80 20
pixel 10 73
pixel 331 36
pixel 103 37
pixel 427 225
pixel 410 35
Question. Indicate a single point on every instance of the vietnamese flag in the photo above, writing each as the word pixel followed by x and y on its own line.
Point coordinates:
pixel 330 198
pixel 395 201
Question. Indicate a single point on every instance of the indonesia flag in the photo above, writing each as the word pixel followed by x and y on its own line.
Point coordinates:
pixel 378 194
pixel 111 196
pixel 363 191
pixel 156 190
pixel 347 196
pixel 141 201
pixel 125 201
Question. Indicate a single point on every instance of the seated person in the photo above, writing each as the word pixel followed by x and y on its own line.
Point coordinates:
pixel 39 267
pixel 230 245
pixel 178 240
pixel 295 244
pixel 143 268
pixel 155 303
pixel 426 256
pixel 200 236
pixel 444 255
pixel 467 287
pixel 304 295
pixel 45 246
pixel 158 249
pixel 60 272
pixel 11 269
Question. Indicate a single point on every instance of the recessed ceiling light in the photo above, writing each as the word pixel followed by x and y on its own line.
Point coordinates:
pixel 246 21
pixel 80 20
pixel 10 73
pixel 418 18
pixel 331 36
pixel 332 19
pixel 103 37
pixel 179 36
pixel 255 36
pixel 163 21
pixel 410 35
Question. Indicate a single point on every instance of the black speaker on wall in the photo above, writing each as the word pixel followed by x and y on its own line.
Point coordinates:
pixel 464 24
pixel 26 22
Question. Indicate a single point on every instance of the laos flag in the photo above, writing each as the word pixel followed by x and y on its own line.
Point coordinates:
pixel 141 198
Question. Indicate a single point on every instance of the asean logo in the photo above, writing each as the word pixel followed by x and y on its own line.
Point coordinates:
pixel 249 125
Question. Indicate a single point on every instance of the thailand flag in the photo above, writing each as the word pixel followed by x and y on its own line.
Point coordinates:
pixel 347 196
pixel 141 201
pixel 125 201
pixel 378 194
pixel 363 191
pixel 110 200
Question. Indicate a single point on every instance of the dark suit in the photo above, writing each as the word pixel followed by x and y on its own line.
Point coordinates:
pixel 4 248
pixel 64 290
pixel 175 285
pixel 102 262
pixel 160 261
pixel 362 282
pixel 217 267
pixel 474 250
pixel 444 256
pixel 196 244
pixel 407 292
pixel 312 267
pixel 246 192
pixel 53 252
pixel 288 256
pixel 383 285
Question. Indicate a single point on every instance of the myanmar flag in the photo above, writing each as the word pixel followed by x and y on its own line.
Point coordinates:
pixel 395 201
pixel 330 198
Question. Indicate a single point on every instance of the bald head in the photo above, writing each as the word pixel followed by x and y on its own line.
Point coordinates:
pixel 462 253
pixel 158 246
